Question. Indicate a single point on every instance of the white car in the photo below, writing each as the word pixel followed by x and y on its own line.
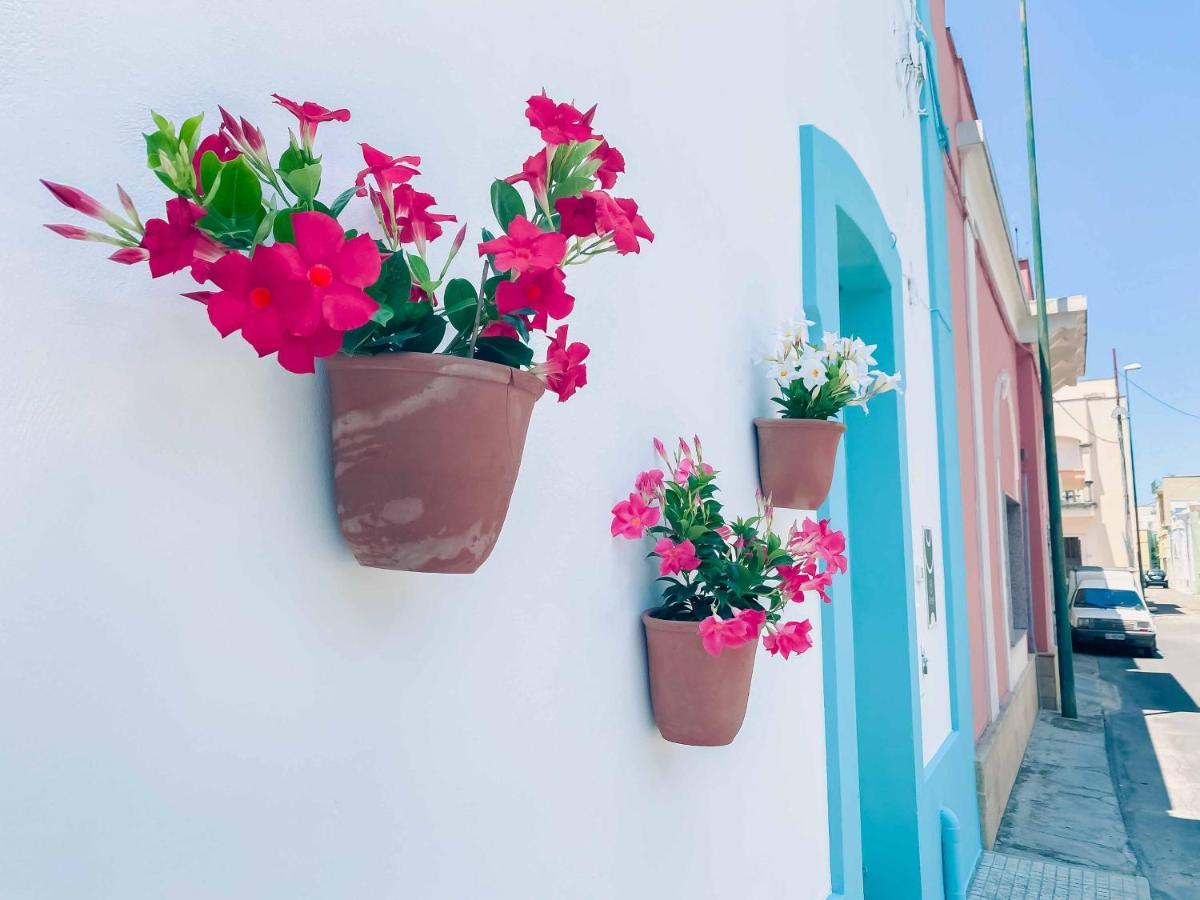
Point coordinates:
pixel 1107 606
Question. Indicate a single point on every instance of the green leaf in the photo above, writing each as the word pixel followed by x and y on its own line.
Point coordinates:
pixel 336 207
pixel 290 160
pixel 394 283
pixel 460 300
pixel 210 166
pixel 419 269
pixel 239 195
pixel 189 132
pixel 282 228
pixel 430 332
pixel 569 187
pixel 383 315
pixel 504 350
pixel 305 181
pixel 506 203
pixel 411 312
pixel 165 128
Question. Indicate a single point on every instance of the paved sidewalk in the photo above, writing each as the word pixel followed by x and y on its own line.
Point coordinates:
pixel 1062 836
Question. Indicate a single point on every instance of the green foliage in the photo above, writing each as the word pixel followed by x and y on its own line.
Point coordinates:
pixel 305 181
pixel 504 350
pixel 339 203
pixel 460 301
pixel 506 202
pixel 800 402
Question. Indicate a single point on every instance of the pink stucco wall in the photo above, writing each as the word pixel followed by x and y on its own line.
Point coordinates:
pixel 1010 449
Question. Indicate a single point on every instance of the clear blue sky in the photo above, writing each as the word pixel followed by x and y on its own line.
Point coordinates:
pixel 1116 92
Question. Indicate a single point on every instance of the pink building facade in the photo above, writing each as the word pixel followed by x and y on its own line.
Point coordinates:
pixel 1002 450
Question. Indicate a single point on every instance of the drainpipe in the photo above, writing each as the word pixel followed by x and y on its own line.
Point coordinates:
pixel 952 883
pixel 1058 562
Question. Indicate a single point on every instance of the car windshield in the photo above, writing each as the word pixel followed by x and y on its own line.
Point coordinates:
pixel 1107 598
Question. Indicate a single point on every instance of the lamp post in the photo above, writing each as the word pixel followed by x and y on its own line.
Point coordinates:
pixel 1137 525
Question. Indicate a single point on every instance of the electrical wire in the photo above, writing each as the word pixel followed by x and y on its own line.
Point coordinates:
pixel 1067 412
pixel 1182 412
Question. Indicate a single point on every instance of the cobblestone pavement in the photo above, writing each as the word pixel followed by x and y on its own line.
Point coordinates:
pixel 1003 877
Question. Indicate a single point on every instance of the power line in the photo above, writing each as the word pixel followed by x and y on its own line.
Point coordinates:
pixel 1182 412
pixel 1067 412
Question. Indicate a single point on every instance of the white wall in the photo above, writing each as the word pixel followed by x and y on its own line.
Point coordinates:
pixel 202 694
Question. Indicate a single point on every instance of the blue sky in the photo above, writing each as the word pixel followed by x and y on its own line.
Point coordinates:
pixel 1115 90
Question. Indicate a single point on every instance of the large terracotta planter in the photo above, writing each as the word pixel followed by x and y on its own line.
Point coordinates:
pixel 698 699
pixel 426 450
pixel 796 458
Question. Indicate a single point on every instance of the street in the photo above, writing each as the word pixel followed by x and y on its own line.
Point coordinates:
pixel 1154 746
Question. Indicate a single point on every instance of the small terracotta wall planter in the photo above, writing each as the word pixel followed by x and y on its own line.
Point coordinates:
pixel 698 699
pixel 426 450
pixel 796 459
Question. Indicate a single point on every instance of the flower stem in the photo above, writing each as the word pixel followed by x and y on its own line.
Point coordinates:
pixel 478 310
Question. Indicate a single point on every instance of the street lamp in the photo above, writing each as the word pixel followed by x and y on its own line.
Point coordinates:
pixel 1137 526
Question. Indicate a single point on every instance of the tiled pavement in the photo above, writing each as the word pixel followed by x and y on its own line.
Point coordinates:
pixel 1002 877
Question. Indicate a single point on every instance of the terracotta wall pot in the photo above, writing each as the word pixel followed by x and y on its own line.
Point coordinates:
pixel 698 699
pixel 426 450
pixel 795 460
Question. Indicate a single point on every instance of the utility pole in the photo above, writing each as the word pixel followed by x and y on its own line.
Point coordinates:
pixel 1119 413
pixel 1137 524
pixel 1058 562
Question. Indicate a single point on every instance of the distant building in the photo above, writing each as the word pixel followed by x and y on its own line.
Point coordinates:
pixel 1177 517
pixel 1148 536
pixel 1094 471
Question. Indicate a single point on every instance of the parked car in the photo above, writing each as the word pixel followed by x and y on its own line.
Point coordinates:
pixel 1107 606
pixel 1154 578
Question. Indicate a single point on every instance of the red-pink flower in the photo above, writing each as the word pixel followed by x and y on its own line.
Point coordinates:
pixel 716 633
pixel 818 540
pixel 533 172
pixel 525 247
pixel 541 291
pixel 415 223
pixel 270 300
pixel 684 470
pixel 620 217
pixel 176 243
pixel 311 115
pixel 649 483
pixel 611 164
pixel 792 637
pixel 219 144
pixel 130 255
pixel 577 215
pixel 632 517
pixel 676 558
pixel 243 134
pixel 558 123
pixel 388 171
pixel 725 532
pixel 337 269
pixel 798 579
pixel 564 368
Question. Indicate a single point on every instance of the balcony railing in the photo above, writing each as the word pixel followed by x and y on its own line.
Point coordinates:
pixel 1078 497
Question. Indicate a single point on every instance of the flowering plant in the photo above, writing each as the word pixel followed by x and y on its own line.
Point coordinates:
pixel 734 578
pixel 296 283
pixel 816 381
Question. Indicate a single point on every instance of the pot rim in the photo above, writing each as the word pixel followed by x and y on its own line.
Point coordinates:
pixel 677 625
pixel 800 423
pixel 441 364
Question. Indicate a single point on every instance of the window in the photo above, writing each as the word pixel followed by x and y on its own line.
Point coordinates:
pixel 1107 598
pixel 1074 552
pixel 1019 595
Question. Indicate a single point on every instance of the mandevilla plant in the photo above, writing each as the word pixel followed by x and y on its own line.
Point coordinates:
pixel 294 282
pixel 818 381
pixel 734 578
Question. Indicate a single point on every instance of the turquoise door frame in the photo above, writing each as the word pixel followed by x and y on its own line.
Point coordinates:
pixel 887 809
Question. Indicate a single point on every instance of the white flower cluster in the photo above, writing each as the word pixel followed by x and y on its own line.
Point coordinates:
pixel 846 359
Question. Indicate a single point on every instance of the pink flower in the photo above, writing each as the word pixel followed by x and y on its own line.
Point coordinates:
pixel 311 115
pixel 270 300
pixel 620 217
pixel 337 269
pixel 577 216
pixel 177 243
pixel 798 579
pixel 415 224
pixel 500 329
pixel 676 558
pixel 632 517
pixel 533 172
pixel 539 290
pixel 526 247
pixel 716 633
pixel 564 368
pixel 684 470
pixel 76 233
pixel 661 450
pixel 611 163
pixel 219 144
pixel 388 171
pixel 817 539
pixel 792 637
pixel 558 123
pixel 725 532
pixel 130 255
pixel 649 483
pixel 243 134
